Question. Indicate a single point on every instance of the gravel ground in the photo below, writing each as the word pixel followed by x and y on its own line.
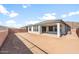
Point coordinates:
pixel 13 45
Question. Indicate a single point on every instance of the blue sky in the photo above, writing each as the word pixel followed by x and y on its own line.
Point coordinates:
pixel 17 15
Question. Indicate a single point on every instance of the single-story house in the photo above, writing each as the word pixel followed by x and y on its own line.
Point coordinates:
pixel 58 27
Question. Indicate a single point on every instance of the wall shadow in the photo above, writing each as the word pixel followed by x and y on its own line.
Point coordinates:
pixel 13 45
pixel 77 32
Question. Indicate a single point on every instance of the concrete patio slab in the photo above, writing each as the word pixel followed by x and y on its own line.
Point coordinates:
pixel 32 47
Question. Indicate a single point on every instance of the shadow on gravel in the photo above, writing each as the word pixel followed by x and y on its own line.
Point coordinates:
pixel 13 45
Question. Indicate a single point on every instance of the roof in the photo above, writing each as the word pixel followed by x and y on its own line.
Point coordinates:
pixel 49 22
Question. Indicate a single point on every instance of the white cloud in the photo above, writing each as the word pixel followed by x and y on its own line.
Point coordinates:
pixel 64 15
pixel 13 14
pixel 3 10
pixel 53 13
pixel 31 22
pixel 10 22
pixel 17 25
pixel 25 6
pixel 48 16
pixel 14 25
pixel 0 23
pixel 70 14
pixel 73 13
pixel 77 12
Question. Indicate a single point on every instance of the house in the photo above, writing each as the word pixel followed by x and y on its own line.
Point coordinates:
pixel 57 27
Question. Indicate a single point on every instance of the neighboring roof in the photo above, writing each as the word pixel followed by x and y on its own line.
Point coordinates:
pixel 50 22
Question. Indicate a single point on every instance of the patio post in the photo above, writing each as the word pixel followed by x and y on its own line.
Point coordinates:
pixel 39 29
pixel 47 29
pixel 32 28
pixel 58 30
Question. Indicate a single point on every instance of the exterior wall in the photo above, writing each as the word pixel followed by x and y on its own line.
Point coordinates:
pixel 39 29
pixel 57 33
pixel 62 29
pixel 47 29
pixel 29 30
pixel 50 32
pixel 36 32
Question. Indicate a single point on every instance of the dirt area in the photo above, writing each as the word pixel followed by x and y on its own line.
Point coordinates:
pixel 53 45
pixel 13 45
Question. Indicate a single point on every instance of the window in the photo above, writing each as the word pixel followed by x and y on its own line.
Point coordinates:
pixel 35 28
pixel 53 28
pixel 30 28
pixel 50 28
pixel 43 29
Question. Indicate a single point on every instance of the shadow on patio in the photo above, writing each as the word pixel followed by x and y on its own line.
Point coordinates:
pixel 13 45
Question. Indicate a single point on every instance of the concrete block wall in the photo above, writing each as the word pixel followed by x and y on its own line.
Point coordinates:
pixel 77 32
pixel 3 35
pixel 74 34
pixel 17 30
